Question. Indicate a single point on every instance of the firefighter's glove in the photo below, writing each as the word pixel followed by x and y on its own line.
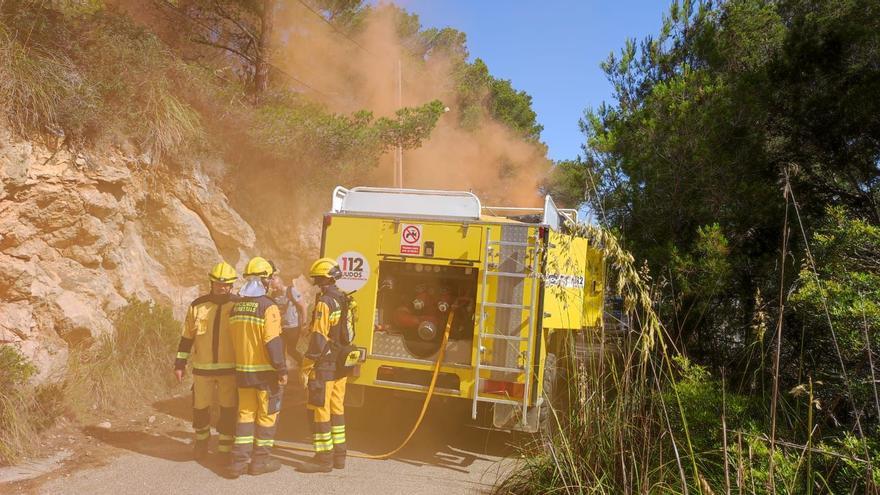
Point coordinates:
pixel 274 399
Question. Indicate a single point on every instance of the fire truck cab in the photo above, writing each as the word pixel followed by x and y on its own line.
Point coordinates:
pixel 516 284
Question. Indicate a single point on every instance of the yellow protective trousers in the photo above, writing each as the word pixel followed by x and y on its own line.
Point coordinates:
pixel 255 431
pixel 204 391
pixel 328 421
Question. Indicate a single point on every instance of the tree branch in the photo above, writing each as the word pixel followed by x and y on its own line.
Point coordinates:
pixel 224 47
pixel 226 15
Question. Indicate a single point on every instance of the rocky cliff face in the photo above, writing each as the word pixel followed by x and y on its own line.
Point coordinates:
pixel 82 233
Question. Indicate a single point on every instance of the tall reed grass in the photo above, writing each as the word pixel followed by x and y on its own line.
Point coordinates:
pixel 644 419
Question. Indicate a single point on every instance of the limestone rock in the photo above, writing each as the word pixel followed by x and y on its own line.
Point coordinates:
pixel 101 204
pixel 177 237
pixel 16 277
pixel 20 328
pixel 16 322
pixel 84 231
pixel 77 318
pixel 227 227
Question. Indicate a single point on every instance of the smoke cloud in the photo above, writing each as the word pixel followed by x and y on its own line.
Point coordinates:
pixel 348 74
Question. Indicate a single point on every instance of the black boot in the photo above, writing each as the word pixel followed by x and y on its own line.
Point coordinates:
pixel 321 463
pixel 339 462
pixel 268 466
pixel 233 472
pixel 200 449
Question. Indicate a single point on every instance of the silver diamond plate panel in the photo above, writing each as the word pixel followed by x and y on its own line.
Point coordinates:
pixel 391 345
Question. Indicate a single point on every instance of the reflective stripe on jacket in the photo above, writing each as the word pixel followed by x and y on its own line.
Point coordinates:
pixel 205 337
pixel 255 328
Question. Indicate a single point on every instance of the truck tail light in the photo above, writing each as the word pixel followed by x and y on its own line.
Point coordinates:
pixel 498 387
pixel 328 219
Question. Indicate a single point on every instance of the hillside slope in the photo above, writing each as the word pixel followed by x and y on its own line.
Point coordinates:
pixel 82 233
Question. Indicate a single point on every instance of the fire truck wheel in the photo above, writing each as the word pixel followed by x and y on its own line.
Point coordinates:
pixel 548 421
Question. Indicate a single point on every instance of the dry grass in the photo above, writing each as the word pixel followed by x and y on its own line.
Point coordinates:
pixel 33 81
pixel 25 409
pixel 84 76
pixel 132 366
pixel 128 368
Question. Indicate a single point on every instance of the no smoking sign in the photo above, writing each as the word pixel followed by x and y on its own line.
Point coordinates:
pixel 411 239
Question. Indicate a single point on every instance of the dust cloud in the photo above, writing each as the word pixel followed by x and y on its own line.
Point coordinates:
pixel 361 72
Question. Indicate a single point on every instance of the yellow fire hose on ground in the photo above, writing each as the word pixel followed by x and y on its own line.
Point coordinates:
pixel 440 354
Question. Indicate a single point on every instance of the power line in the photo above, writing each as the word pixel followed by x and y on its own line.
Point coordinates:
pixel 333 26
pixel 291 76
pixel 211 30
pixel 343 33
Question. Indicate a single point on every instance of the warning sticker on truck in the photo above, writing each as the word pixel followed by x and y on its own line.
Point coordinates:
pixel 410 239
pixel 355 271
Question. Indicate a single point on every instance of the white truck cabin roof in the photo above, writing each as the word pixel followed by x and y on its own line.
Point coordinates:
pixel 439 205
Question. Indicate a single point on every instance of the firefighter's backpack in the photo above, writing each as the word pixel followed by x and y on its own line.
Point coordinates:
pixel 348 355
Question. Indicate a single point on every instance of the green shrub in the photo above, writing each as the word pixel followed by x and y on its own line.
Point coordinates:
pixel 703 401
pixel 16 368
pixel 21 406
pixel 132 363
pixel 845 292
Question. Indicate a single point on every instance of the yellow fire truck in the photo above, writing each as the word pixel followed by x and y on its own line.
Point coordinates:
pixel 512 282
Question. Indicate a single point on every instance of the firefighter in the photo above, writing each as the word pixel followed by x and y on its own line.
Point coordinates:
pixel 205 338
pixel 290 302
pixel 261 372
pixel 325 383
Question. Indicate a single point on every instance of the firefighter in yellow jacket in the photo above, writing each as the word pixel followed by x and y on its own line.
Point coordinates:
pixel 205 340
pixel 255 329
pixel 326 381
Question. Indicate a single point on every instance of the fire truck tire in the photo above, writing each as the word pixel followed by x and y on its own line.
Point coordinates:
pixel 546 418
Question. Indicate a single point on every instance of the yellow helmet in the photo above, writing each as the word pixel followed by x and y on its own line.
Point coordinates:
pixel 258 267
pixel 223 273
pixel 325 267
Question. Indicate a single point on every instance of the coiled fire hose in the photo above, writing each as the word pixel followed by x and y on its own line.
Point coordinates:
pixel 415 428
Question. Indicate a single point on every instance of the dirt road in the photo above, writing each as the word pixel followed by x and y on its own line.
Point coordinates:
pixel 443 458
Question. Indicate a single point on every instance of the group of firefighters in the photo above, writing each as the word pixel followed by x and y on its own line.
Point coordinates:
pixel 237 346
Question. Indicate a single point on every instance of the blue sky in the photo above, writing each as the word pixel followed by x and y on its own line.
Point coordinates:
pixel 551 49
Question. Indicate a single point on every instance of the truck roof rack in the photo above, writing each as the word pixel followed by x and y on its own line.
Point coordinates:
pixel 435 204
pixel 415 203
pixel 550 214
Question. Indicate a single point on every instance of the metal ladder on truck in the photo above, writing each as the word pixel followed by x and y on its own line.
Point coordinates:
pixel 529 274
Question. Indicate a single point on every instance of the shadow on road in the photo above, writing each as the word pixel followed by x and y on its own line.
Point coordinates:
pixel 443 439
pixel 161 446
pixel 172 446
pixel 381 425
